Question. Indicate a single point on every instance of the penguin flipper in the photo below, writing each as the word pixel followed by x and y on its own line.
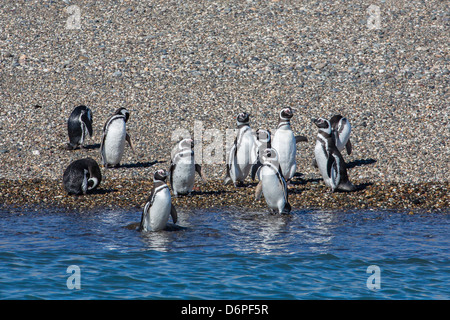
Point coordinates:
pixel 330 163
pixel 348 147
pixel 144 214
pixel 87 122
pixel 127 137
pixel 258 191
pixel 300 139
pixel 255 169
pixel 199 170
pixel 173 213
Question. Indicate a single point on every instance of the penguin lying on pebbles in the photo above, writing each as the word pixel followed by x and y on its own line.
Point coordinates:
pixel 79 126
pixel 329 160
pixel 272 183
pixel 82 176
pixel 183 167
pixel 285 143
pixel 114 137
pixel 242 154
pixel 159 205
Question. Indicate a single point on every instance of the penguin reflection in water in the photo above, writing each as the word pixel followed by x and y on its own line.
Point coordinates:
pixel 114 137
pixel 329 160
pixel 79 126
pixel 272 183
pixel 82 176
pixel 159 205
pixel 183 168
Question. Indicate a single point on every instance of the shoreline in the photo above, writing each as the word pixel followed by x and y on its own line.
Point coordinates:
pixel 303 195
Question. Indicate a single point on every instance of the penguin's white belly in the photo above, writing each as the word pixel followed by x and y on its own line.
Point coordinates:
pixel 160 211
pixel 114 144
pixel 284 143
pixel 273 189
pixel 244 155
pixel 183 177
pixel 322 160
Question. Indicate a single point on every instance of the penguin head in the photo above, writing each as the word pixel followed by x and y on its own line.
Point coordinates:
pixel 322 124
pixel 124 112
pixel 270 155
pixel 186 144
pixel 243 118
pixel 286 113
pixel 160 175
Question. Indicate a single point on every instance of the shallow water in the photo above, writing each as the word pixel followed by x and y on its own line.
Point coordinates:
pixel 225 254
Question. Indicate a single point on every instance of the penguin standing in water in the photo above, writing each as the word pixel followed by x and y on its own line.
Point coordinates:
pixel 114 137
pixel 183 168
pixel 341 129
pixel 159 205
pixel 82 176
pixel 242 154
pixel 329 160
pixel 285 143
pixel 79 126
pixel 272 183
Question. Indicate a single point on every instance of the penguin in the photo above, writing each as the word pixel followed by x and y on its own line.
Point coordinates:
pixel 272 183
pixel 158 206
pixel 242 154
pixel 82 176
pixel 341 129
pixel 263 141
pixel 114 137
pixel 285 143
pixel 329 160
pixel 79 126
pixel 183 167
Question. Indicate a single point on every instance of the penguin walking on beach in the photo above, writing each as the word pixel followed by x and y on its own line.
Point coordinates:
pixel 329 160
pixel 272 183
pixel 159 205
pixel 82 176
pixel 263 142
pixel 183 167
pixel 242 154
pixel 285 143
pixel 79 126
pixel 341 129
pixel 114 137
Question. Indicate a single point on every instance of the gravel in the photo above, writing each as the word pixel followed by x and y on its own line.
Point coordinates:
pixel 195 64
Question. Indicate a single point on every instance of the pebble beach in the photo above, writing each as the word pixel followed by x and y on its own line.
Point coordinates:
pixel 191 66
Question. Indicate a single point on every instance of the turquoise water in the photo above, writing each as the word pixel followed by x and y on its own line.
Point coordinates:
pixel 225 254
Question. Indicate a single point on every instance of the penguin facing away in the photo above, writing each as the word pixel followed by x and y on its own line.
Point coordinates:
pixel 285 143
pixel 341 129
pixel 329 160
pixel 82 176
pixel 272 183
pixel 242 154
pixel 79 125
pixel 159 205
pixel 114 137
pixel 183 167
